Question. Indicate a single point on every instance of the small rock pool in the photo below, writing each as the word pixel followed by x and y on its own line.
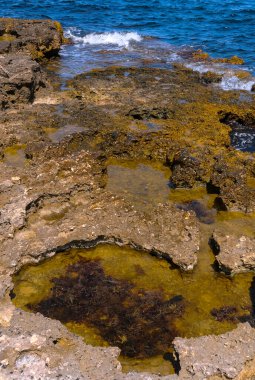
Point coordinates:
pixel 118 296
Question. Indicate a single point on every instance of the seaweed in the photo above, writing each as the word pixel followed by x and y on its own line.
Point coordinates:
pixel 138 321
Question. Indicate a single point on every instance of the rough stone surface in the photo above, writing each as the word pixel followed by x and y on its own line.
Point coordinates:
pixel 53 173
pixel 224 355
pixel 20 78
pixel 235 253
pixel 39 38
pixel 33 346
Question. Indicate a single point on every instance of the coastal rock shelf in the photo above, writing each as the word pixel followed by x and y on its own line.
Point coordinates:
pixel 130 179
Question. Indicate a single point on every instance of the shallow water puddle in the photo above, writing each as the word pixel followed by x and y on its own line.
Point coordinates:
pixel 147 184
pixel 142 183
pixel 121 297
pixel 15 155
pixel 58 134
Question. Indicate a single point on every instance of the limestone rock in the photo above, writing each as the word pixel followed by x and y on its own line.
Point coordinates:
pixel 236 253
pixel 20 78
pixel 223 355
pixel 39 38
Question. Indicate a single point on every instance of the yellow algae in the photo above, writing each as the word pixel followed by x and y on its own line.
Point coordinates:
pixel 237 223
pixel 7 37
pixel 187 195
pixel 15 155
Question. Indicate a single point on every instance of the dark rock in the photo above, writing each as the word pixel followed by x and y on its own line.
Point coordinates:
pixel 186 169
pixel 39 38
pixel 20 78
pixel 154 113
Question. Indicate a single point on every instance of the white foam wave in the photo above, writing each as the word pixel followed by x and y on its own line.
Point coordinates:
pixel 111 38
pixel 234 83
pixel 229 80
pixel 203 68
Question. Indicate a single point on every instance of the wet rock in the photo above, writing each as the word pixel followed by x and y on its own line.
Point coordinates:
pixel 242 133
pixel 20 79
pixel 39 38
pixel 236 253
pixel 187 169
pixel 223 355
pixel 210 77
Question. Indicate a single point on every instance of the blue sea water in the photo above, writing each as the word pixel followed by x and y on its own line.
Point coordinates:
pixel 223 28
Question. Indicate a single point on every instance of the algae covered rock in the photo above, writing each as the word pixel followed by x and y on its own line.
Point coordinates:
pixel 39 38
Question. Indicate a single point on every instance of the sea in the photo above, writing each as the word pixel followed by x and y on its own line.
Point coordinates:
pixel 152 33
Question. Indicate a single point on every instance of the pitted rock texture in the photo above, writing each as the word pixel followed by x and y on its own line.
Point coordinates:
pixel 72 211
pixel 20 79
pixel 35 347
pixel 55 199
pixel 39 38
pixel 234 253
pixel 223 355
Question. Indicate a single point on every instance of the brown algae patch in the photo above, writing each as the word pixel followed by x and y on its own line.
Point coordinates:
pixel 122 297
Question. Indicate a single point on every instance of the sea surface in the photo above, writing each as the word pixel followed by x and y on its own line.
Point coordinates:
pixel 154 33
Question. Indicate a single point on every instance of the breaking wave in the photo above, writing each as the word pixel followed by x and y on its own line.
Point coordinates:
pixel 229 81
pixel 109 38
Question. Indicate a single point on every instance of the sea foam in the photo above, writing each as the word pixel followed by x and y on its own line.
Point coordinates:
pixel 109 38
pixel 229 80
pixel 234 83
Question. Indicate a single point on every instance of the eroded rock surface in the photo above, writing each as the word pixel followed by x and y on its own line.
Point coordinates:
pixel 223 355
pixel 34 346
pixel 20 78
pixel 234 253
pixel 53 197
pixel 38 38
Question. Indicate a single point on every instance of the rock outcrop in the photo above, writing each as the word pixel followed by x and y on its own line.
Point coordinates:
pixel 39 38
pixel 235 253
pixel 20 79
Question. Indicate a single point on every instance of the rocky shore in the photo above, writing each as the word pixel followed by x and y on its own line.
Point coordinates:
pixel 54 195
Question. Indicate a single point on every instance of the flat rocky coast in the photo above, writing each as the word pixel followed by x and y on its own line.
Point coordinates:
pixel 55 149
